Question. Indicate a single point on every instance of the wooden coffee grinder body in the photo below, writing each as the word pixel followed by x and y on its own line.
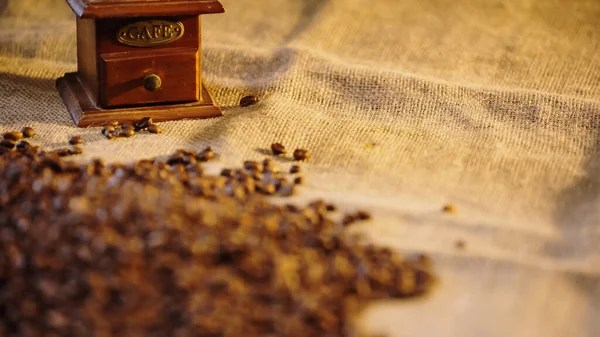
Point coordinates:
pixel 138 59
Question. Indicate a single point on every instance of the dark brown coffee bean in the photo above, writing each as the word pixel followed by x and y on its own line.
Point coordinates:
pixel 74 149
pixel 248 100
pixel 154 128
pixel 363 215
pixel 227 173
pixel 14 136
pixel 75 140
pixel 206 154
pixel 107 131
pixel 143 123
pixel 331 208
pixel 277 149
pixel 348 220
pixel 460 244
pixel 127 132
pixel 23 145
pixel 268 165
pixel 301 154
pixel 295 169
pixel 298 180
pixel 7 144
pixel 254 166
pixel 127 126
pixel 62 152
pixel 28 132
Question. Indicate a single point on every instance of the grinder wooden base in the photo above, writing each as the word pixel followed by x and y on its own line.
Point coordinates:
pixel 86 113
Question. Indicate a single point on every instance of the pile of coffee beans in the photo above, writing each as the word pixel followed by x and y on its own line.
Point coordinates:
pixel 115 129
pixel 160 248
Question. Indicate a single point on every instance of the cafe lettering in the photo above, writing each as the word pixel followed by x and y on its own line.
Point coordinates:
pixel 150 33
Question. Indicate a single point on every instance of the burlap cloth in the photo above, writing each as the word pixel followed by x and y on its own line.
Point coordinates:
pixel 491 105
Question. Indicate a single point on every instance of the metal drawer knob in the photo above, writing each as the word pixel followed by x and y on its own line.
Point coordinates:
pixel 152 82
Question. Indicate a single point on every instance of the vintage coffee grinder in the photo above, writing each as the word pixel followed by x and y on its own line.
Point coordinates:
pixel 138 58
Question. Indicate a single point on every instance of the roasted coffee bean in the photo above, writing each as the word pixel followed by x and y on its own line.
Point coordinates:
pixel 348 219
pixel 7 144
pixel 295 169
pixel 248 100
pixel 127 126
pixel 266 188
pixel 23 145
pixel 154 128
pixel 206 154
pixel 460 244
pixel 143 123
pixel 252 165
pixel 227 172
pixel 75 140
pixel 127 132
pixel 298 180
pixel 62 152
pixel 114 123
pixel 277 149
pixel 108 131
pixel 301 154
pixel 449 208
pixel 14 136
pixel 268 165
pixel 27 132
pixel 363 215
pixel 331 208
pixel 74 149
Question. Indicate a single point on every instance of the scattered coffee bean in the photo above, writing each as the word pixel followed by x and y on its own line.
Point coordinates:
pixel 62 152
pixel 28 132
pixel 23 145
pixel 154 128
pixel 127 132
pixel 252 165
pixel 114 124
pixel 348 219
pixel 75 140
pixel 277 149
pixel 206 154
pixel 227 172
pixel 295 169
pixel 7 144
pixel 107 131
pixel 331 208
pixel 363 215
pixel 266 188
pixel 301 154
pixel 248 100
pixel 143 124
pixel 298 180
pixel 127 126
pixel 268 165
pixel 74 149
pixel 14 136
pixel 460 244
pixel 449 208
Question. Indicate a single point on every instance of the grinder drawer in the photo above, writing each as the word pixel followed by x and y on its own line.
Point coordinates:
pixel 140 77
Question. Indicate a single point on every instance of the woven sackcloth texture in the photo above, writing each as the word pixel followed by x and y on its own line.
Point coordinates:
pixel 493 106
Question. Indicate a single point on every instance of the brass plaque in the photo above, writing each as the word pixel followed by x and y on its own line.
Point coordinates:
pixel 150 33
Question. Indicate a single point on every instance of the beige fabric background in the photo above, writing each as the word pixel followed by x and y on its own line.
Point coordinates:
pixel 491 105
